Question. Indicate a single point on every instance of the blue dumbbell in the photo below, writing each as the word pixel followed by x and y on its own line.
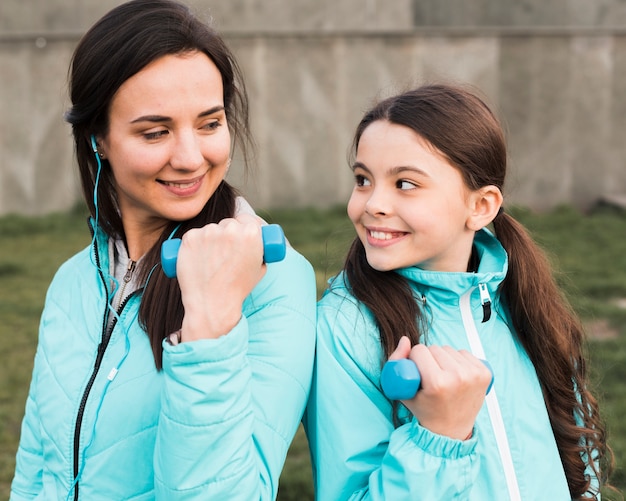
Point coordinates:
pixel 274 248
pixel 401 379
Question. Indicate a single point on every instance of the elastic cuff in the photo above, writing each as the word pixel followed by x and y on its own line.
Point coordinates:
pixel 440 445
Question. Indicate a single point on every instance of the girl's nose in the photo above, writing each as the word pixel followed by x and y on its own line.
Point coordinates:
pixel 378 203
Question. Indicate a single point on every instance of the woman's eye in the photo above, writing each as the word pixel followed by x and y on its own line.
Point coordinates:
pixel 403 184
pixel 155 134
pixel 213 125
pixel 361 180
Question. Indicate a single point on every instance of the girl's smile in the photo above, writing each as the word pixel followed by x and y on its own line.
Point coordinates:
pixel 383 237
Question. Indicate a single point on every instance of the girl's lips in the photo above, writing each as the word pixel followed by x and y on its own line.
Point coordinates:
pixel 183 188
pixel 382 238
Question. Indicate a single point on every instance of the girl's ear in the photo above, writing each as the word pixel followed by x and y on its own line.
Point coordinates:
pixel 484 205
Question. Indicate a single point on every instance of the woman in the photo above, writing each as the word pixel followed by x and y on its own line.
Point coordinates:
pixel 146 387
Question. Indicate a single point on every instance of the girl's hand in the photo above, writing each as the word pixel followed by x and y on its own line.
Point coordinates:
pixel 453 387
pixel 218 266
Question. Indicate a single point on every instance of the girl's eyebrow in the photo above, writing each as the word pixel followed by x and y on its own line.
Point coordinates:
pixel 411 168
pixel 162 118
pixel 394 171
pixel 359 165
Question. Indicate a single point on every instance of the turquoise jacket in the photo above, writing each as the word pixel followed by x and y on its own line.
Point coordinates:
pixel 215 423
pixel 357 452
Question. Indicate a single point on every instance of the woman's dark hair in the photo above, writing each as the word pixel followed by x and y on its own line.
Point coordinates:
pixel 118 46
pixel 462 127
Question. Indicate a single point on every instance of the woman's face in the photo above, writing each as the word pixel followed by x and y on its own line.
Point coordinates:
pixel 409 206
pixel 168 142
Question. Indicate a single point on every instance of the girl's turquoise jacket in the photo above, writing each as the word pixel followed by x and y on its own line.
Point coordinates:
pixel 215 423
pixel 359 454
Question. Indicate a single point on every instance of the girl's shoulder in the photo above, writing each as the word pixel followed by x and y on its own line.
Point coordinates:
pixel 338 295
pixel 347 331
pixel 339 309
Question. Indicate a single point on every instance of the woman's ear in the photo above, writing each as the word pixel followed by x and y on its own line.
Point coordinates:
pixel 484 205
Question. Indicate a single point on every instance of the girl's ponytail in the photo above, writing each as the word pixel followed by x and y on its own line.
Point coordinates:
pixel 554 339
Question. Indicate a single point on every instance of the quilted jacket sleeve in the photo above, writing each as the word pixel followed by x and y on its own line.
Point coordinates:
pixel 231 406
pixel 357 452
pixel 27 481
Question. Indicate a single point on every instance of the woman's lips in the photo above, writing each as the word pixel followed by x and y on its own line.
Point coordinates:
pixel 183 188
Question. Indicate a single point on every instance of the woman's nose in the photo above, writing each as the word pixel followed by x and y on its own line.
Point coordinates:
pixel 187 152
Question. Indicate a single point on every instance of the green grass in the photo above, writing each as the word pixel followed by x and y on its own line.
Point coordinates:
pixel 589 251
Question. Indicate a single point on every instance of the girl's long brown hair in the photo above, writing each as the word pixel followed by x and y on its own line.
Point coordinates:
pixel 118 46
pixel 462 127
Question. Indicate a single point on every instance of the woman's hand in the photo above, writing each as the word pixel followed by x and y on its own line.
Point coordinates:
pixel 218 266
pixel 453 387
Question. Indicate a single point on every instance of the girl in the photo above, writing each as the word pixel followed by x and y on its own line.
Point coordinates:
pixel 146 387
pixel 425 280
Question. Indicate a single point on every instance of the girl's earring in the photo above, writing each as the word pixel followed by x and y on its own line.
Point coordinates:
pixel 101 155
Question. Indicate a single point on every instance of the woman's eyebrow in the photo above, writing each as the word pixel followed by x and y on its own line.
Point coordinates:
pixel 163 118
pixel 210 111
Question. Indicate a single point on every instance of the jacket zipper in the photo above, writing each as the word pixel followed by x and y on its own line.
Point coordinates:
pixel 126 280
pixel 106 337
pixel 493 407
pixel 485 301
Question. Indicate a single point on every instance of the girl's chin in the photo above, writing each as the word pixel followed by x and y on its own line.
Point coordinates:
pixel 379 265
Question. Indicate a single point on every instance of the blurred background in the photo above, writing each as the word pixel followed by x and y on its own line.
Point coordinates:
pixel 554 71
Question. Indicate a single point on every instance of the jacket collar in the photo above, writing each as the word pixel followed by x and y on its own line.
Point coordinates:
pixel 491 269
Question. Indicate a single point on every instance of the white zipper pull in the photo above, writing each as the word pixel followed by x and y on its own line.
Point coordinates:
pixel 485 300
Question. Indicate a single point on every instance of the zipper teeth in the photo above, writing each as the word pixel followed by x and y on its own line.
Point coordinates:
pixel 493 407
pixel 81 410
pixel 127 278
pixel 104 342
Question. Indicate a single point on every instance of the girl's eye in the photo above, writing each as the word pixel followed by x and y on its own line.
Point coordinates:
pixel 403 184
pixel 361 180
pixel 150 136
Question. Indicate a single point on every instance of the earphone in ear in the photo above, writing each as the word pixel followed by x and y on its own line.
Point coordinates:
pixel 94 148
pixel 94 144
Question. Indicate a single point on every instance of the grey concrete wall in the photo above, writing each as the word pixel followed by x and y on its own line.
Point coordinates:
pixel 555 72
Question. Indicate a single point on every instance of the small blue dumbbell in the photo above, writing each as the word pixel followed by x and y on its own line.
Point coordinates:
pixel 274 248
pixel 401 379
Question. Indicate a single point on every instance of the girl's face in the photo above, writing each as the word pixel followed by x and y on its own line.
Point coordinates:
pixel 410 206
pixel 168 142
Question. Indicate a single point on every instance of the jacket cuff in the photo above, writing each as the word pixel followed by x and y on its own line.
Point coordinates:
pixel 207 350
pixel 440 445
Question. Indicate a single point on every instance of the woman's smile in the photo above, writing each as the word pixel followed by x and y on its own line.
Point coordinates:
pixel 168 156
pixel 183 188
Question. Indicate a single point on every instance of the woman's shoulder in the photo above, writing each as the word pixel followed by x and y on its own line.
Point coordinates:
pixel 293 271
pixel 290 282
pixel 74 267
